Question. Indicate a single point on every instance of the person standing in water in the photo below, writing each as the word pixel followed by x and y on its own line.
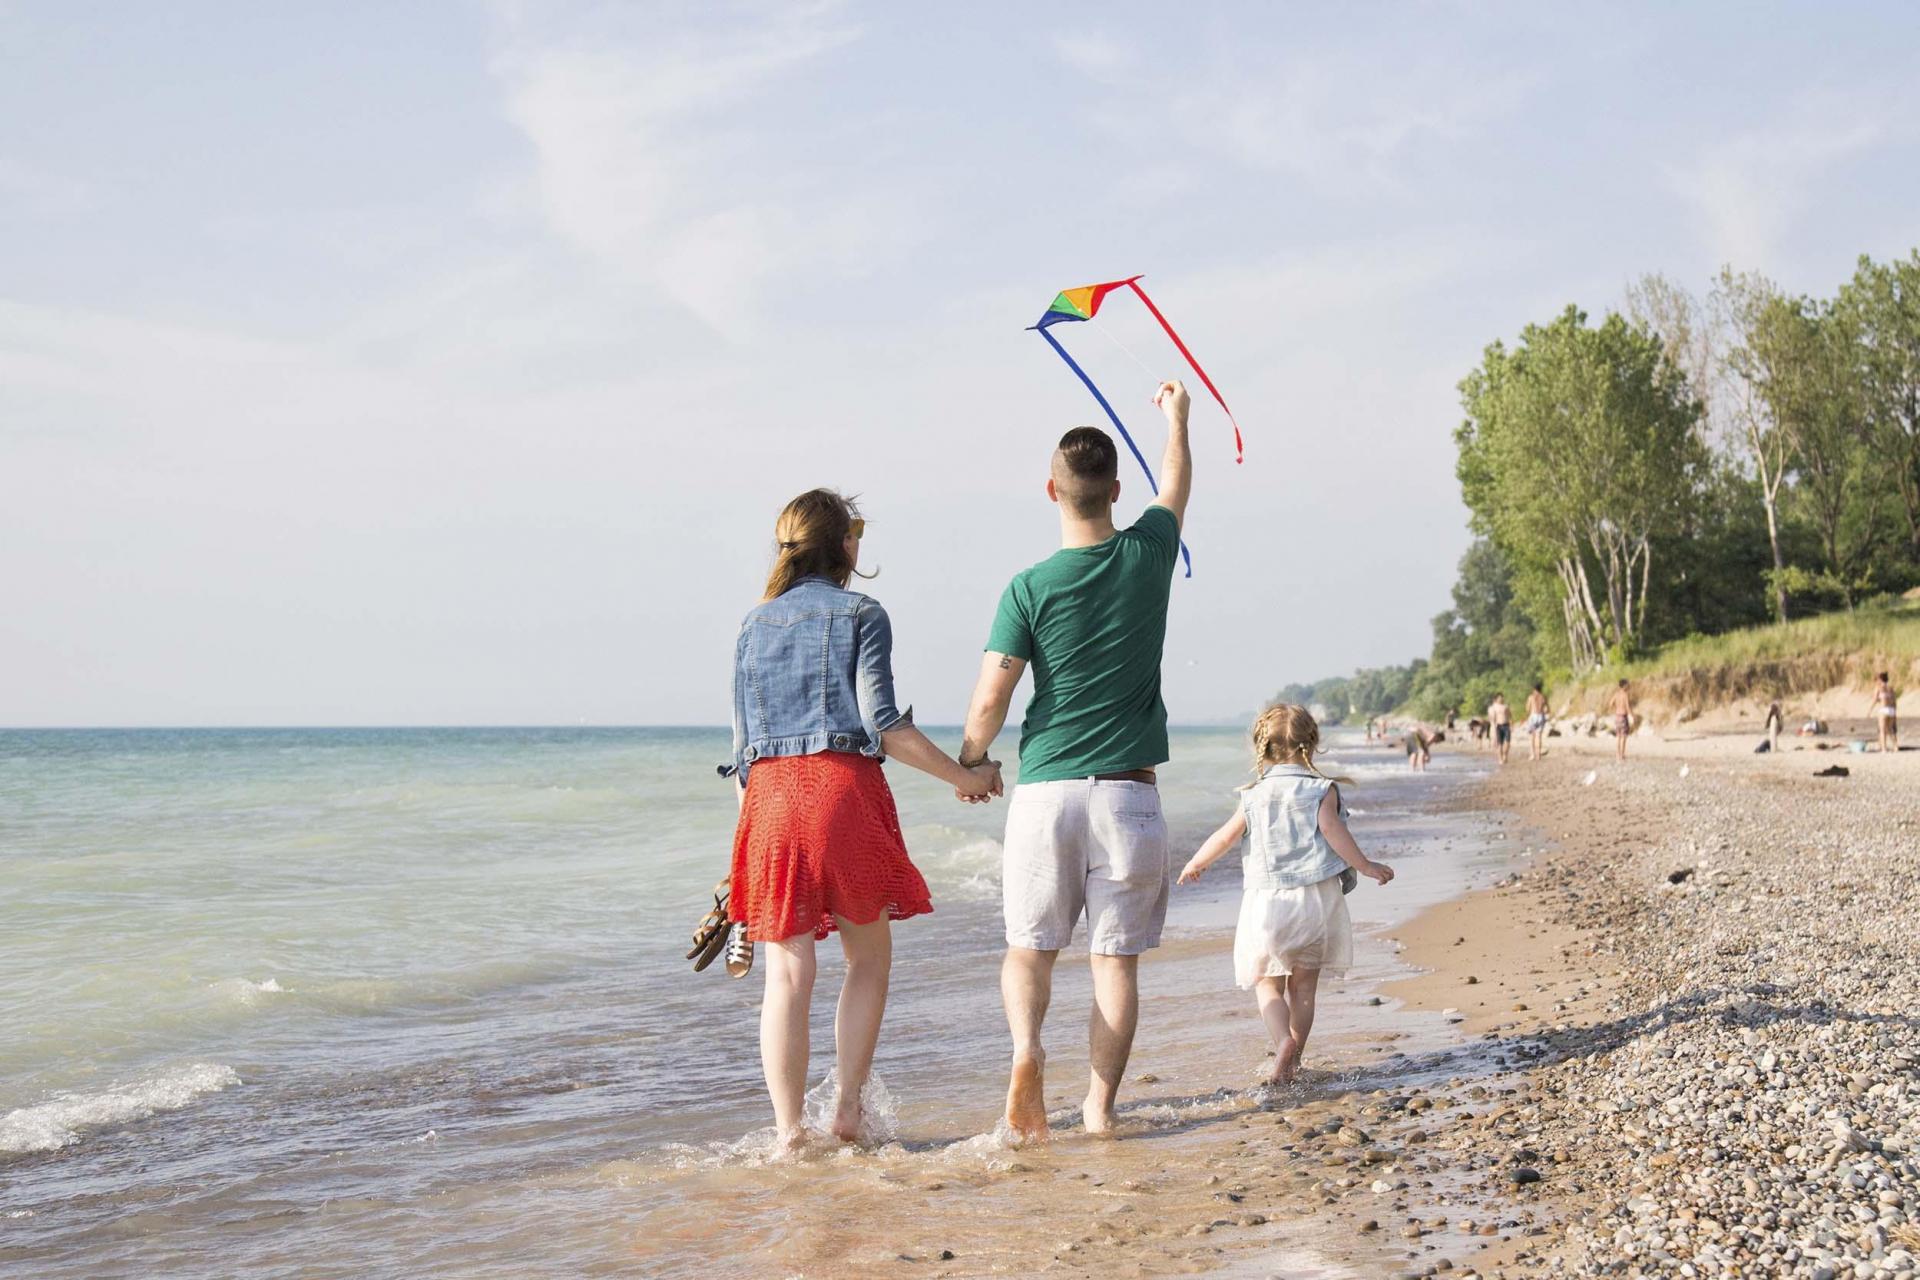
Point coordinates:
pixel 1500 716
pixel 1621 708
pixel 1886 709
pixel 818 845
pixel 1084 828
pixel 1536 721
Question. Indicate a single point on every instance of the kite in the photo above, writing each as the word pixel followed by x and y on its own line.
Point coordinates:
pixel 1083 303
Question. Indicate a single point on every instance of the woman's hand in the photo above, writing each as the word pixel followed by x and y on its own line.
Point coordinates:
pixel 1377 871
pixel 982 783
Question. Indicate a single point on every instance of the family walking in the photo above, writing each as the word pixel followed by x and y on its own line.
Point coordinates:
pixel 819 850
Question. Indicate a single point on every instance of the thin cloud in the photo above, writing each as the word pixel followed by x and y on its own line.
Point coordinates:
pixel 652 156
pixel 1748 192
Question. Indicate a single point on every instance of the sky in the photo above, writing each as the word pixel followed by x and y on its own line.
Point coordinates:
pixel 448 363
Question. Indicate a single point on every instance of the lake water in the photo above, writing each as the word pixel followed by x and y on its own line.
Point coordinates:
pixel 412 1000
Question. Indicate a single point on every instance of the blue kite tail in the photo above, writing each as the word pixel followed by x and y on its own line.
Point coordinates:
pixel 1119 426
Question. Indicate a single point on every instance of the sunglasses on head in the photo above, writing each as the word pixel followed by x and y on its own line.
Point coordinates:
pixel 858 528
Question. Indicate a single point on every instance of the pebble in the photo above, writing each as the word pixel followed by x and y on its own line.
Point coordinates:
pixel 1747 1099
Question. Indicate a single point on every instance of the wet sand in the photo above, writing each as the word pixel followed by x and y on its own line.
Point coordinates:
pixel 1210 1175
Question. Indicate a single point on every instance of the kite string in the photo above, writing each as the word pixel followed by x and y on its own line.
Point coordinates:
pixel 1125 349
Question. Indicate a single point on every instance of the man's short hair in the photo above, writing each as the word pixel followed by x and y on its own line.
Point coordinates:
pixel 1084 468
pixel 1623 682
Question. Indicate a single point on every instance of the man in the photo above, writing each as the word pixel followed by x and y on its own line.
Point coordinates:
pixel 1500 716
pixel 1621 708
pixel 1537 720
pixel 1084 827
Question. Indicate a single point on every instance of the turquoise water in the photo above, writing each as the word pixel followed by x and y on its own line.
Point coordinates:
pixel 248 977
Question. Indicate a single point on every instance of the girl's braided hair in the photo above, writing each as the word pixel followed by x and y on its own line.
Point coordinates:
pixel 1286 733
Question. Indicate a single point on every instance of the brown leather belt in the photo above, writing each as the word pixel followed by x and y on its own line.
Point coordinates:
pixel 1131 775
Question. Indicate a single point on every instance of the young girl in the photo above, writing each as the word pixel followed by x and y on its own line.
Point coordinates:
pixel 1293 919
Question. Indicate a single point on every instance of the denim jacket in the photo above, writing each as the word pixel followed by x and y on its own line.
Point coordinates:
pixel 1285 846
pixel 813 671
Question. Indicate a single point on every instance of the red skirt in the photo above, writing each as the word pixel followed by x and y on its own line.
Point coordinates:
pixel 818 838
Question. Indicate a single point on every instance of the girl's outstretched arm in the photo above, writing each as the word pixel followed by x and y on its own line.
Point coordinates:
pixel 1334 828
pixel 1230 833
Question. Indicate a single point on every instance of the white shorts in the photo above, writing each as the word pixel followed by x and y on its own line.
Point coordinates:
pixel 1079 844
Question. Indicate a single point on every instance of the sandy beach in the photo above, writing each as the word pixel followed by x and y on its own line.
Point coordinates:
pixel 1661 1026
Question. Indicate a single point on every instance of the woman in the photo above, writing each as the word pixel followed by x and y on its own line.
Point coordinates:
pixel 818 846
pixel 1886 709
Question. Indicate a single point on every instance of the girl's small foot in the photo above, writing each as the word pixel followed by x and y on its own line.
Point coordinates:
pixel 791 1142
pixel 1286 1063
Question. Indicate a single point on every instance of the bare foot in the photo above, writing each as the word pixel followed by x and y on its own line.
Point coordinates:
pixel 1098 1119
pixel 1286 1063
pixel 846 1119
pixel 791 1142
pixel 1027 1101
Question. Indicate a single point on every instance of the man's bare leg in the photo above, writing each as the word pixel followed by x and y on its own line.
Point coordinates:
pixel 1116 1010
pixel 856 1024
pixel 783 1032
pixel 1026 987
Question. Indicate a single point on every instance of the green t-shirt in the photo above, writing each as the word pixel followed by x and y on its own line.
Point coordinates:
pixel 1092 622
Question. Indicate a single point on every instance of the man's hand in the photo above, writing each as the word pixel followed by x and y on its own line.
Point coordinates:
pixel 1173 400
pixel 986 786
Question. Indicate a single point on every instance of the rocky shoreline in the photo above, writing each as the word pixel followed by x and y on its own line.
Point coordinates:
pixel 1718 1071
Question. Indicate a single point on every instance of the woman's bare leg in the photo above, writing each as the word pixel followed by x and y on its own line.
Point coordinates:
pixel 856 1025
pixel 783 1031
pixel 1271 993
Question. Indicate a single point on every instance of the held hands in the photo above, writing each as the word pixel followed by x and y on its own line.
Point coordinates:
pixel 983 783
pixel 1172 400
pixel 1379 872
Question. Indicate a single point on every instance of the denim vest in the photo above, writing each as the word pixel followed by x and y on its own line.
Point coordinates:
pixel 1285 847
pixel 813 671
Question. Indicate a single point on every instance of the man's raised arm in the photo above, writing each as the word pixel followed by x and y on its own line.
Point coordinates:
pixel 1176 467
pixel 992 694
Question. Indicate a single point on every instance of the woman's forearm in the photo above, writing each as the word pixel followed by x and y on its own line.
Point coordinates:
pixel 911 747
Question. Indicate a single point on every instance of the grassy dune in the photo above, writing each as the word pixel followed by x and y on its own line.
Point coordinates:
pixel 1807 655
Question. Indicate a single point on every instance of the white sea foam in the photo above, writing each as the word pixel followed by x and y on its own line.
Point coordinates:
pixel 246 992
pixel 66 1118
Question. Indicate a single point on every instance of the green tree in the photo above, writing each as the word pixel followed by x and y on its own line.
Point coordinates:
pixel 1738 303
pixel 1577 452
pixel 1880 308
pixel 1815 393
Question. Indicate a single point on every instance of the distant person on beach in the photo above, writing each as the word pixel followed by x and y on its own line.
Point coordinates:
pixel 818 844
pixel 1886 709
pixel 1776 722
pixel 1621 708
pixel 1084 828
pixel 1300 861
pixel 1418 753
pixel 1536 721
pixel 1500 716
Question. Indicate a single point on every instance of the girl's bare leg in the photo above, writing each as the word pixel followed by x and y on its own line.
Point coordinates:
pixel 1303 987
pixel 1271 994
pixel 856 1024
pixel 783 1031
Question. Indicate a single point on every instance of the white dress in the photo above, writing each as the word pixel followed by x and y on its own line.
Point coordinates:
pixel 1286 929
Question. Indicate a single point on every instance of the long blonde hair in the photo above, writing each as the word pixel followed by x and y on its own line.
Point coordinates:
pixel 811 538
pixel 1286 733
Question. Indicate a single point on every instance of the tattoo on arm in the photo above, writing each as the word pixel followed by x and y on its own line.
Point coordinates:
pixel 1006 662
